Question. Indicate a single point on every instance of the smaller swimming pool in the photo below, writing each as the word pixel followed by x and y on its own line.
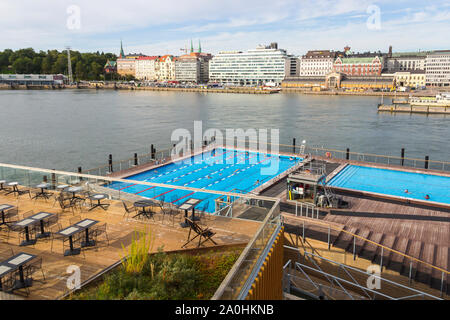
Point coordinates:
pixel 394 183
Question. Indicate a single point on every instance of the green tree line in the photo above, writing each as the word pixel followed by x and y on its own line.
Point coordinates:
pixel 85 66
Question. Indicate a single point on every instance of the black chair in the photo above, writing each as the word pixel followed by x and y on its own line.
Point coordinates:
pixel 6 253
pixel 32 267
pixel 9 282
pixel 22 191
pixel 97 231
pixel 129 208
pixel 75 219
pixel 27 214
pixel 65 204
pixel 54 235
pixel 201 233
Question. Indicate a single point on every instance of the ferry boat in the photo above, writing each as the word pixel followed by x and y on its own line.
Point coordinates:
pixel 441 100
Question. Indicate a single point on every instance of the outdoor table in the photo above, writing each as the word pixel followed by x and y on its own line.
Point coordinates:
pixel 86 224
pixel 40 217
pixel 144 204
pixel 74 190
pixel 69 232
pixel 14 185
pixel 99 197
pixel 61 187
pixel 186 206
pixel 3 208
pixel 43 186
pixel 26 223
pixel 17 262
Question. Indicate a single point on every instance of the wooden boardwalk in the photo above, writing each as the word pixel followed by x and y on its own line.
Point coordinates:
pixel 120 231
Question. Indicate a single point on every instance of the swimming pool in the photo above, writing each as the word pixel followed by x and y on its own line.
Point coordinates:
pixel 394 183
pixel 219 169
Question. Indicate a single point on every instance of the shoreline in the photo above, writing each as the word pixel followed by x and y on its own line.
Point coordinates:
pixel 239 90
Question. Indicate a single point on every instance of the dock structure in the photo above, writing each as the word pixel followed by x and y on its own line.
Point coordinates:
pixel 406 108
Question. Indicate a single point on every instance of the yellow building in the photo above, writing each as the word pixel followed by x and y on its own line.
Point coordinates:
pixel 413 78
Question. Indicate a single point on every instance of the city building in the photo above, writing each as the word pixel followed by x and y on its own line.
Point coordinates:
pixel 317 63
pixel 33 79
pixel 406 61
pixel 126 64
pixel 292 67
pixel 187 69
pixel 193 67
pixel 356 66
pixel 165 68
pixel 412 79
pixel 110 67
pixel 254 67
pixel 145 68
pixel 437 66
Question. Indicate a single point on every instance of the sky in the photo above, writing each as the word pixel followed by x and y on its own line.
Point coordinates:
pixel 164 27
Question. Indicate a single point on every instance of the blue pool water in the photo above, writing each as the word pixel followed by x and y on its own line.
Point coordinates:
pixel 220 169
pixel 394 183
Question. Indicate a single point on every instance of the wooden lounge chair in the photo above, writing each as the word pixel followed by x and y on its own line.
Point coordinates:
pixel 201 233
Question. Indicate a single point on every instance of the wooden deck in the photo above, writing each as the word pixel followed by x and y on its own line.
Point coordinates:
pixel 120 231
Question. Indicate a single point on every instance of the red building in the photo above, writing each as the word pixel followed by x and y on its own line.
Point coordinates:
pixel 364 66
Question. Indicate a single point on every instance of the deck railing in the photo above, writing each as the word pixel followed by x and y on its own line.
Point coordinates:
pixel 238 281
pixel 331 153
pixel 383 252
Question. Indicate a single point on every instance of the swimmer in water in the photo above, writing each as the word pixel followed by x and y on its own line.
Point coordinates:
pixel 257 181
pixel 427 197
pixel 291 158
pixel 407 191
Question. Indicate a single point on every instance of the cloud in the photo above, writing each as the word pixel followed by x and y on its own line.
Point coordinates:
pixel 158 27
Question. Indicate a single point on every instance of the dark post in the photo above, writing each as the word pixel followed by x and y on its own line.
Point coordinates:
pixel 403 156
pixel 205 143
pixel 110 163
pixel 45 178
pixel 347 156
pixel 152 151
pixel 427 159
pixel 79 171
pixel 293 145
pixel 135 159
pixel 53 179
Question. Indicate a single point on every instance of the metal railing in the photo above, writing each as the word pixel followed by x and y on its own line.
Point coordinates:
pixel 347 283
pixel 305 209
pixel 328 233
pixel 354 156
pixel 241 276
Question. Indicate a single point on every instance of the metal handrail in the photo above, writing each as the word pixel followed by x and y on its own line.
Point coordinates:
pixel 331 226
pixel 445 163
pixel 359 271
pixel 236 267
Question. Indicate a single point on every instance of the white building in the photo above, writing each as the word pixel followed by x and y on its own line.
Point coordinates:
pixel 317 63
pixel 254 67
pixel 187 69
pixel 145 68
pixel 437 68
pixel 406 61
pixel 165 68
pixel 33 79
pixel 292 67
pixel 193 67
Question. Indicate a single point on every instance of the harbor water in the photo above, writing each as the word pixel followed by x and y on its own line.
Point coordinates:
pixel 64 129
